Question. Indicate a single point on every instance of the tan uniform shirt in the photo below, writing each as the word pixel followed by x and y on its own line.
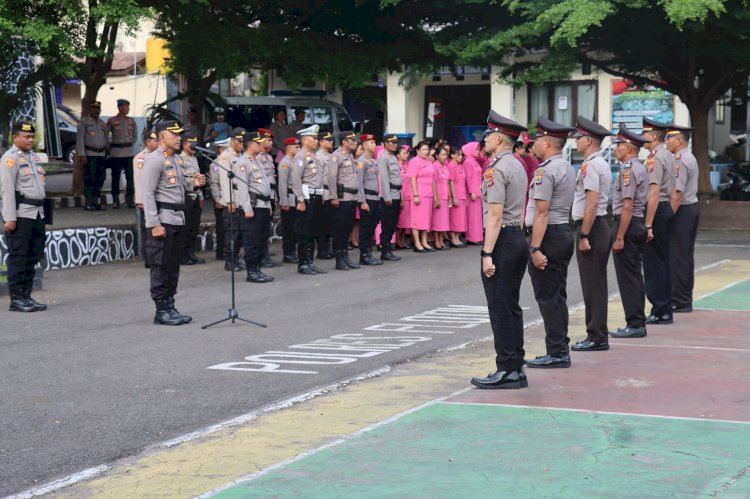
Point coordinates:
pixel 91 138
pixel 306 171
pixel 342 176
pixel 323 160
pixel 554 182
pixel 124 132
pixel 594 176
pixel 286 193
pixel 390 176
pixel 367 171
pixel 660 167
pixel 266 162
pixel 137 171
pixel 20 173
pixel 504 182
pixel 191 168
pixel 686 176
pixel 258 185
pixel 163 182
pixel 631 183
pixel 229 160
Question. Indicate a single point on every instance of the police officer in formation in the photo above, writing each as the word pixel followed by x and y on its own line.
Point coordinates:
pixel 228 161
pixel 389 171
pixel 151 142
pixel 164 188
pixel 504 252
pixel 660 167
pixel 265 160
pixel 193 200
pixel 684 202
pixel 343 182
pixel 323 154
pixel 287 201
pixel 214 180
pixel 123 132
pixel 22 182
pixel 594 239
pixel 92 148
pixel 369 198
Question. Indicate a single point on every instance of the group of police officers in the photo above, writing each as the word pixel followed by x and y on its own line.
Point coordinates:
pixel 655 209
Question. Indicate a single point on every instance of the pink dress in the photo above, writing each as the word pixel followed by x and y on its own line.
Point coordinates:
pixel 423 171
pixel 404 218
pixel 441 216
pixel 473 186
pixel 458 213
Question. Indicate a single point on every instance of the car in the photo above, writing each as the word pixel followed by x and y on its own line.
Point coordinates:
pixel 67 123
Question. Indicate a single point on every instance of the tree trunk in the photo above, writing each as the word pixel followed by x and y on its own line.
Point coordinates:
pixel 699 121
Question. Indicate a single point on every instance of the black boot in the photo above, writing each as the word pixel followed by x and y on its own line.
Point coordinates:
pixel 129 201
pixel 325 250
pixel 90 205
pixel 290 258
pixel 196 259
pixel 267 263
pixel 350 263
pixel 187 259
pixel 165 314
pixel 387 253
pixel 340 262
pixel 255 275
pixel 115 202
pixel 366 257
pixel 309 255
pixel 303 266
pixel 27 294
pixel 184 318
pixel 19 303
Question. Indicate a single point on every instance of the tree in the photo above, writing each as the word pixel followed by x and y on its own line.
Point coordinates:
pixel 694 49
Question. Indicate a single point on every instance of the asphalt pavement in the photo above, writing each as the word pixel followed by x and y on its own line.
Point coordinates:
pixel 93 380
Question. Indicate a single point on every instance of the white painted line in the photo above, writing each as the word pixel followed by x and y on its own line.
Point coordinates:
pixel 712 245
pixel 722 289
pixel 721 309
pixel 679 346
pixel 61 482
pixel 570 409
pixel 712 265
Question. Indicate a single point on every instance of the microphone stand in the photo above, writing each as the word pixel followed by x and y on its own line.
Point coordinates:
pixel 233 314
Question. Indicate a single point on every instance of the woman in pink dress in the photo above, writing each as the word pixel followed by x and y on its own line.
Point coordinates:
pixel 404 218
pixel 458 191
pixel 473 186
pixel 441 204
pixel 422 180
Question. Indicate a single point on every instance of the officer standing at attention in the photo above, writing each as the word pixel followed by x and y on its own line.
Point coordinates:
pixel 684 202
pixel 594 236
pixel 164 188
pixel 193 200
pixel 504 252
pixel 151 143
pixel 124 131
pixel 307 184
pixel 215 190
pixel 550 241
pixel 323 155
pixel 229 160
pixel 656 260
pixel 265 160
pixel 369 197
pixel 628 206
pixel 92 147
pixel 254 202
pixel 287 201
pixel 389 171
pixel 22 182
pixel 280 131
pixel 344 191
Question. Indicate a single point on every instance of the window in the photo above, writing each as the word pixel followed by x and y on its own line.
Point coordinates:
pixel 720 111
pixel 563 101
pixel 343 121
pixel 322 117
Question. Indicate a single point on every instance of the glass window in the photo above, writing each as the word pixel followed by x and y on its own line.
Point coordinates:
pixel 539 102
pixel 308 115
pixel 322 117
pixel 563 101
pixel 587 100
pixel 343 121
pixel 563 104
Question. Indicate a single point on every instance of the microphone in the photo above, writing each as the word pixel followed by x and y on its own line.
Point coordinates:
pixel 205 151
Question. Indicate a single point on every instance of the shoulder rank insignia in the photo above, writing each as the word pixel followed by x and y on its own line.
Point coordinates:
pixel 10 163
pixel 538 175
pixel 650 164
pixel 139 162
pixel 283 165
pixel 583 170
pixel 677 170
pixel 626 178
pixel 489 177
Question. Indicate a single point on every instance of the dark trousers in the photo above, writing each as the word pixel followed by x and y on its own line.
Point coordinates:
pixel 368 220
pixel 592 267
pixel 255 232
pixel 219 227
pixel 164 256
pixel 656 263
pixel 510 257
pixel 269 230
pixel 628 268
pixel 684 232
pixel 288 236
pixel 119 165
pixel 326 229
pixel 140 219
pixel 343 222
pixel 94 173
pixel 309 223
pixel 25 250
pixel 193 213
pixel 231 223
pixel 550 286
pixel 389 219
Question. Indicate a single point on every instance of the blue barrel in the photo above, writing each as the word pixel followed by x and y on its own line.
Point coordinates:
pixel 461 135
pixel 715 179
pixel 405 139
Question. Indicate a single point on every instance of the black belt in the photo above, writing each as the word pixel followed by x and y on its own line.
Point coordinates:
pixel 29 201
pixel 124 144
pixel 550 227
pixel 602 217
pixel 395 187
pixel 94 149
pixel 348 190
pixel 371 192
pixel 290 191
pixel 170 206
pixel 510 228
pixel 262 197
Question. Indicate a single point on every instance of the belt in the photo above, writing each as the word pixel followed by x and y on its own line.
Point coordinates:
pixel 262 197
pixel 124 144
pixel 348 190
pixel 317 192
pixel 290 192
pixel 29 201
pixel 598 217
pixel 94 149
pixel 510 228
pixel 550 227
pixel 170 206
pixel 371 192
pixel 395 187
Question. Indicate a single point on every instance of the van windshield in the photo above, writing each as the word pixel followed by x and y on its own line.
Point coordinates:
pixel 252 117
pixel 320 116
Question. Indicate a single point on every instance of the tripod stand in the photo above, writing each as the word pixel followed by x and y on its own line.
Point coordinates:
pixel 233 314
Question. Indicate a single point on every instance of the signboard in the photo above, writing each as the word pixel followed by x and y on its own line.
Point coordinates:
pixel 631 103
pixel 462 70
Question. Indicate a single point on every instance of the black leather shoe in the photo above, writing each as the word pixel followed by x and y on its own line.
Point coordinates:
pixel 21 305
pixel 664 319
pixel 116 204
pixel 589 346
pixel 550 361
pixel 184 318
pixel 237 267
pixel 38 306
pixel 502 380
pixel 417 250
pixel 390 257
pixel 629 332
pixel 290 259
pixel 91 207
pixel 186 260
pixel 682 310
pixel 258 277
pixel 267 263
pixel 316 269
pixel 325 255
pixel 306 270
pixel 101 207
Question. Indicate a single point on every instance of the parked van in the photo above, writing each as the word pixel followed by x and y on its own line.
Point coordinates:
pixel 252 113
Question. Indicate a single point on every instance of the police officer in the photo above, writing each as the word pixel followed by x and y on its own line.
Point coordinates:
pixel 656 260
pixel 628 206
pixel 22 182
pixel 254 201
pixel 215 190
pixel 229 161
pixel 193 200
pixel 280 131
pixel 287 201
pixel 684 202
pixel 307 185
pixel 123 131
pixel 164 187
pixel 594 236
pixel 265 160
pixel 505 252
pixel 151 143
pixel 344 190
pixel 323 154
pixel 550 241
pixel 389 171
pixel 369 198
pixel 92 147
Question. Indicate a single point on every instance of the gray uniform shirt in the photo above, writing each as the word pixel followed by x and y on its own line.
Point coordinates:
pixel 91 139
pixel 631 183
pixel 342 172
pixel 229 160
pixel 251 171
pixel 124 131
pixel 137 171
pixel 286 193
pixel 367 172
pixel 323 159
pixel 660 168
pixel 266 162
pixel 504 183
pixel 390 175
pixel 306 171
pixel 594 176
pixel 162 181
pixel 20 172
pixel 554 182
pixel 191 168
pixel 686 176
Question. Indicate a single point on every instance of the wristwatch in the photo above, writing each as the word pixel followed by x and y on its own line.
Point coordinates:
pixel 533 249
pixel 484 253
pixel 581 235
pixel 648 227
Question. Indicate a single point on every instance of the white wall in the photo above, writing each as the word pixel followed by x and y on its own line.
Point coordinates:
pixel 143 91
